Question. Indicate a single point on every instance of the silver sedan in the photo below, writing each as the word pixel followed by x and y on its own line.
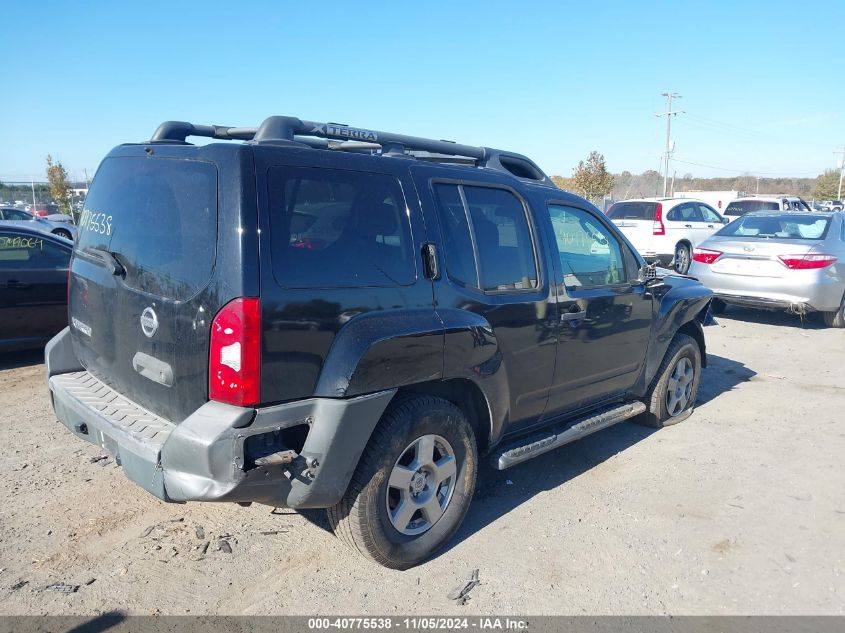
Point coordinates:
pixel 777 260
pixel 55 224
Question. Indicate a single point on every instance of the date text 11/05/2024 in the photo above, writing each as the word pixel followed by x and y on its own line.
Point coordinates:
pixel 419 623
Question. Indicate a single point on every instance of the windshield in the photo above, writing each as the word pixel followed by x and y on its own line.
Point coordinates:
pixel 632 211
pixel 785 226
pixel 158 216
pixel 741 207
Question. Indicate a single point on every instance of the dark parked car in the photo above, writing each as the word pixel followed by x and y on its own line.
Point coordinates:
pixel 33 286
pixel 56 224
pixel 331 317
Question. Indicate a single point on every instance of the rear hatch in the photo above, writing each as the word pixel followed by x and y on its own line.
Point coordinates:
pixel 636 219
pixel 138 305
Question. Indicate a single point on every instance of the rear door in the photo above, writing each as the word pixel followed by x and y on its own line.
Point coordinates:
pixel 684 222
pixel 141 323
pixel 33 285
pixel 495 268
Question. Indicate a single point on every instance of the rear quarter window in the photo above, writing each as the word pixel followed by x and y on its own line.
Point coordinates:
pixel 333 228
pixel 632 211
pixel 158 216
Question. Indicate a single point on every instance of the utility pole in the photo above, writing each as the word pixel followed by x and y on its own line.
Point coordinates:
pixel 841 172
pixel 668 114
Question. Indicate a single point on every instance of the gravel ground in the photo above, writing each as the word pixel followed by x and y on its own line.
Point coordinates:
pixel 738 510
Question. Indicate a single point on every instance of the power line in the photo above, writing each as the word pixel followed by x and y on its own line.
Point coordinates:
pixel 728 129
pixel 742 171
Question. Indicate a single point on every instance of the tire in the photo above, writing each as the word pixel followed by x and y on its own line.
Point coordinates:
pixel 367 517
pixel 836 319
pixel 683 352
pixel 682 258
pixel 63 233
pixel 717 306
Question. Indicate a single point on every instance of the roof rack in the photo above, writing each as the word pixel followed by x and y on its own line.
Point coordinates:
pixel 339 136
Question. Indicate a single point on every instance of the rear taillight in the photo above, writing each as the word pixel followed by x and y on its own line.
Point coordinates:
pixel 705 256
pixel 234 356
pixel 657 228
pixel 807 262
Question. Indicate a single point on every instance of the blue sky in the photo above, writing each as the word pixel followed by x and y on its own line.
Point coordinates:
pixel 762 82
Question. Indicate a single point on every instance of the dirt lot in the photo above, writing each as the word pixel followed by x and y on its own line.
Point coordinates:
pixel 738 510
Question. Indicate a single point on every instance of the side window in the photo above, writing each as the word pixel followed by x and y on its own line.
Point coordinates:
pixel 487 242
pixel 457 242
pixel 709 214
pixel 685 212
pixel 14 214
pixel 333 228
pixel 21 251
pixel 506 257
pixel 590 255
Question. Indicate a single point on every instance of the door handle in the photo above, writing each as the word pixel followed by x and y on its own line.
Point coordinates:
pixel 430 266
pixel 14 283
pixel 710 226
pixel 688 226
pixel 573 316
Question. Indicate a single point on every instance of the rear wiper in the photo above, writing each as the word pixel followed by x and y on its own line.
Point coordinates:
pixel 111 261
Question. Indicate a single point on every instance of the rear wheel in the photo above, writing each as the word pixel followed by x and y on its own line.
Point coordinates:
pixel 672 395
pixel 413 484
pixel 836 319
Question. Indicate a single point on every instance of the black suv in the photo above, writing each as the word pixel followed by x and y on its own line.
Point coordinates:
pixel 330 317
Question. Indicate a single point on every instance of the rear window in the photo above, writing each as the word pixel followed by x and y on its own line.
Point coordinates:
pixel 741 207
pixel 632 211
pixel 786 226
pixel 332 228
pixel 31 252
pixel 158 216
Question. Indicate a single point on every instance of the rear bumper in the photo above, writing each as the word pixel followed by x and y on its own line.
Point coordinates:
pixel 803 291
pixel 203 458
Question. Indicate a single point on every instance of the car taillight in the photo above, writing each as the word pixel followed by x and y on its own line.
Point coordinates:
pixel 807 262
pixel 657 228
pixel 705 256
pixel 234 357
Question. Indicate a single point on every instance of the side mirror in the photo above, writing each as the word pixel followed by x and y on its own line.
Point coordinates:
pixel 726 220
pixel 647 273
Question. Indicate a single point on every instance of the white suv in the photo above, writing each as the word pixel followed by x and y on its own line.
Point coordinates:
pixel 749 204
pixel 665 230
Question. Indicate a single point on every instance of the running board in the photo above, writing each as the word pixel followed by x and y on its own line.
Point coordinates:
pixel 525 448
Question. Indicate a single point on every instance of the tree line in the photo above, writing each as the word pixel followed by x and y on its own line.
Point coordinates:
pixel 591 180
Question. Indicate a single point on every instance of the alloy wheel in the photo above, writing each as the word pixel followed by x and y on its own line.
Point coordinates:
pixel 421 485
pixel 679 387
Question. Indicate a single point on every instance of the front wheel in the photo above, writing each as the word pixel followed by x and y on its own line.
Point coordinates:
pixel 682 258
pixel 413 484
pixel 672 395
pixel 63 233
